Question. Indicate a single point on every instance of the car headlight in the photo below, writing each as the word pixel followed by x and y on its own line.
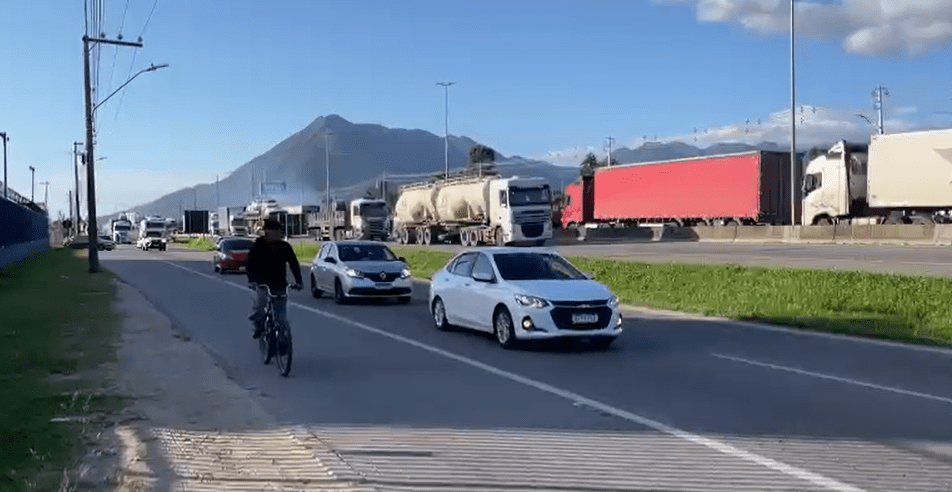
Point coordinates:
pixel 405 273
pixel 531 301
pixel 353 273
pixel 613 301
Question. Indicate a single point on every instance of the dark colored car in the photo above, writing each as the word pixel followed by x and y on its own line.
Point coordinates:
pixel 232 254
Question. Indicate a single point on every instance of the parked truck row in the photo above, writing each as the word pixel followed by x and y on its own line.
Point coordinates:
pixel 903 178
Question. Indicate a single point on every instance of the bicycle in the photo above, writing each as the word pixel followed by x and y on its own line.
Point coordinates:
pixel 275 341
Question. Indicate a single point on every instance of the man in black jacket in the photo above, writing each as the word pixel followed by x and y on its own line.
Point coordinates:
pixel 266 267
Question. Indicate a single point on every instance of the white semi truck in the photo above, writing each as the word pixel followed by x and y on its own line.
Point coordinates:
pixel 153 233
pixel 121 231
pixel 901 178
pixel 474 211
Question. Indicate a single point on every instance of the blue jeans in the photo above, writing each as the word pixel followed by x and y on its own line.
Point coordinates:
pixel 280 306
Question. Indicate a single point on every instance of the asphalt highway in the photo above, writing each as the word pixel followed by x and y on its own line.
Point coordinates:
pixel 676 404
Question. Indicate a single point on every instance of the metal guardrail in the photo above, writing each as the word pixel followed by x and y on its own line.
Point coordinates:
pixel 13 196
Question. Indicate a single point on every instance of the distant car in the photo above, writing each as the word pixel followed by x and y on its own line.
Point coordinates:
pixel 152 240
pixel 231 253
pixel 106 243
pixel 523 294
pixel 360 269
pixel 82 242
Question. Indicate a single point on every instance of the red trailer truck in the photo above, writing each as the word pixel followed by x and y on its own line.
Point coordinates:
pixel 735 189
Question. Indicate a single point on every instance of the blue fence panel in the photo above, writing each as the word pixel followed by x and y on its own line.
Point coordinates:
pixel 20 224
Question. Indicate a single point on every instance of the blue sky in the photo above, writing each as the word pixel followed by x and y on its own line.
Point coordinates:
pixel 540 79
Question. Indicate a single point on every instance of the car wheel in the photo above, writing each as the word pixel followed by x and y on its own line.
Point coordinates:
pixel 439 315
pixel 315 292
pixel 339 296
pixel 502 326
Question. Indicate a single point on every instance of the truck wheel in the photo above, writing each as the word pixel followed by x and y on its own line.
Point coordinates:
pixel 498 237
pixel 419 235
pixel 427 236
pixel 464 238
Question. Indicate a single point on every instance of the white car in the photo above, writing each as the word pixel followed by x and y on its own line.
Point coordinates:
pixel 523 294
pixel 360 269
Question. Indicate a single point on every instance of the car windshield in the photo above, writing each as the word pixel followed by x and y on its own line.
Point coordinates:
pixel 535 266
pixel 153 234
pixel 232 245
pixel 365 252
pixel 122 227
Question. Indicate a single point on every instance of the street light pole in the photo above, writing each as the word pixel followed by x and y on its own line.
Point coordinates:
pixel 76 154
pixel 92 227
pixel 793 117
pixel 446 127
pixel 46 195
pixel 5 138
pixel 32 184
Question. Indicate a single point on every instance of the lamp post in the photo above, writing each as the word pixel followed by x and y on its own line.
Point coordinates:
pixel 32 184
pixel 446 127
pixel 5 138
pixel 793 117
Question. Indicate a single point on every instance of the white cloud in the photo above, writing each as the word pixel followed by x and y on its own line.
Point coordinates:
pixel 571 156
pixel 815 126
pixel 865 27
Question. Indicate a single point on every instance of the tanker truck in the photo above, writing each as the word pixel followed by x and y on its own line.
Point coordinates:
pixel 475 211
pixel 901 178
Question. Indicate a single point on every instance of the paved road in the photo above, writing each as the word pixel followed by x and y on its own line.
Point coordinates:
pixel 676 405
pixel 916 260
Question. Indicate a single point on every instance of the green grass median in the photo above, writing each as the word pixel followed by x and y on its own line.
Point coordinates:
pixel 58 326
pixel 895 307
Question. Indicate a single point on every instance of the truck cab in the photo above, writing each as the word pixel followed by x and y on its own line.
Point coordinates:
pixel 834 184
pixel 522 209
pixel 370 218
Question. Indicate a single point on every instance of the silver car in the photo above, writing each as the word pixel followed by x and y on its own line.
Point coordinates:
pixel 360 269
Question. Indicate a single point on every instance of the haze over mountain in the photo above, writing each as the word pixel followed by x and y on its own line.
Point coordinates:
pixel 293 171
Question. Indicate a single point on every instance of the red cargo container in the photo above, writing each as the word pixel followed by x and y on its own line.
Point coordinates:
pixel 752 188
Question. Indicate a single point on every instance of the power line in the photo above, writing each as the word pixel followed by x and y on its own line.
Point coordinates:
pixel 115 51
pixel 149 18
pixel 134 53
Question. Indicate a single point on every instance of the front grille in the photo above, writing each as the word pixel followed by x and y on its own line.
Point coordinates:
pixel 370 291
pixel 603 302
pixel 532 230
pixel 531 216
pixel 375 276
pixel 562 317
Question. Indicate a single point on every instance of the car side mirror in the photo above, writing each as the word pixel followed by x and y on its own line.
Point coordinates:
pixel 330 260
pixel 483 277
pixel 403 260
pixel 589 275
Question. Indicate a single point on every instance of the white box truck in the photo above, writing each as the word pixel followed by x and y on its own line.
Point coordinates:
pixel 901 178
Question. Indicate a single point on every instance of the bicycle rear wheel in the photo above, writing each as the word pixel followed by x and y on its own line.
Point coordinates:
pixel 283 350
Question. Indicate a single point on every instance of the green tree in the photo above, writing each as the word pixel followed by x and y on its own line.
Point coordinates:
pixel 482 161
pixel 588 166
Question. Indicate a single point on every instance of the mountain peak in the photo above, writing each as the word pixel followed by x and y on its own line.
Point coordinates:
pixel 332 122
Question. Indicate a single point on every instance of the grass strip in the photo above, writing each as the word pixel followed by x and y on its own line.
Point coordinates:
pixel 887 306
pixel 58 326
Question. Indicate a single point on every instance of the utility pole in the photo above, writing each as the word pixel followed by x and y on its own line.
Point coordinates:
pixel 327 177
pixel 610 141
pixel 32 184
pixel 446 127
pixel 793 116
pixel 90 156
pixel 76 156
pixel 878 94
pixel 5 138
pixel 46 195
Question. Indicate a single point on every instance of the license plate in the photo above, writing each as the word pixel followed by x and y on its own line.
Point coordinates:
pixel 583 318
pixel 383 286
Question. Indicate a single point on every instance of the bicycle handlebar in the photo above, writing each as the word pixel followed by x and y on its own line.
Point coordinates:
pixel 254 286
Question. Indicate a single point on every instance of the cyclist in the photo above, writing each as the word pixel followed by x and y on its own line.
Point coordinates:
pixel 266 267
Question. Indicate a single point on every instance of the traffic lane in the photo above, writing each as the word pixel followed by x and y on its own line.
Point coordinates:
pixel 343 375
pixel 818 425
pixel 741 399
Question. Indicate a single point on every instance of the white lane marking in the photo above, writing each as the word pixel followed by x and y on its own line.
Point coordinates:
pixel 834 378
pixel 817 479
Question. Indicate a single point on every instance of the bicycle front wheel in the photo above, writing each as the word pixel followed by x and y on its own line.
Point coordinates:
pixel 283 350
pixel 266 344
